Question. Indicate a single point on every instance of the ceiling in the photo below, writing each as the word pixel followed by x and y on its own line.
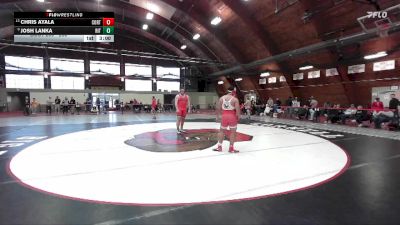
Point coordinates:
pixel 250 30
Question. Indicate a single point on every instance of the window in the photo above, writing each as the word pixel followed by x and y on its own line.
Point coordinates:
pixel 272 80
pixel 24 81
pixel 314 74
pixel 356 69
pixel 24 63
pixel 168 72
pixel 168 85
pixel 138 85
pixel 71 83
pixel 67 65
pixel 385 65
pixel 282 79
pixel 262 81
pixel 104 68
pixel 298 76
pixel 331 72
pixel 138 70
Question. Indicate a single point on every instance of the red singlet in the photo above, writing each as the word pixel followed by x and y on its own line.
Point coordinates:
pixel 229 117
pixel 153 104
pixel 182 105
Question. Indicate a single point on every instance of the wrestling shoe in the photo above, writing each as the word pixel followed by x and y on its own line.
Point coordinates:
pixel 218 149
pixel 232 150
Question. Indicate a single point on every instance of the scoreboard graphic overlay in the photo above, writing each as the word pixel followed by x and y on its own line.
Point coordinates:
pixel 64 27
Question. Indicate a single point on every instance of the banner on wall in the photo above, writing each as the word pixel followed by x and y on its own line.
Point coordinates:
pixel 384 65
pixel 272 80
pixel 356 69
pixel 314 74
pixel 262 81
pixel 298 76
pixel 331 72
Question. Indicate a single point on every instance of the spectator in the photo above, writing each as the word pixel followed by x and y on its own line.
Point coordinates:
pixel 131 106
pixel 72 104
pixel 334 114
pixel 313 108
pixel 135 105
pixel 348 114
pixel 289 101
pixel 277 105
pixel 48 105
pixel 394 103
pixel 258 102
pixel 289 104
pixel 57 102
pixel 309 101
pixel 27 109
pixel 106 105
pixel 302 113
pixel 270 102
pixel 193 108
pixel 98 104
pixel 327 105
pixel 65 105
pixel 377 106
pixel 88 104
pixel 382 116
pixel 78 107
pixel 296 106
pixel 260 109
pixel 253 107
pixel 296 102
pixel 34 105
pixel 247 106
pixel 361 116
pixel 160 106
pixel 141 106
pixel 117 104
pixel 267 110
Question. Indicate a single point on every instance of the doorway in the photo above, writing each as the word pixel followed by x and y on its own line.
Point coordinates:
pixel 169 102
pixel 108 101
pixel 16 101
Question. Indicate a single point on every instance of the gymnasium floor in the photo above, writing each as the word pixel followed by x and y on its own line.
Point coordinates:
pixel 111 169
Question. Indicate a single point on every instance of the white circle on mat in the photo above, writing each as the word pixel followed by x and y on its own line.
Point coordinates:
pixel 96 165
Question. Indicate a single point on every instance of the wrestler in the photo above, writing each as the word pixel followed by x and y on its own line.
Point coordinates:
pixel 153 107
pixel 182 101
pixel 229 105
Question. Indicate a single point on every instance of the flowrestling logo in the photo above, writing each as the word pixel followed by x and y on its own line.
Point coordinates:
pixel 377 14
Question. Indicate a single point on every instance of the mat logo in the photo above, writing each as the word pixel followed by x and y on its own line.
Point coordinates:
pixel 169 141
pixel 377 14
pixel 20 141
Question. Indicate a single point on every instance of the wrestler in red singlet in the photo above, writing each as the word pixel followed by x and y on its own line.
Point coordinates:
pixel 182 105
pixel 153 106
pixel 229 105
pixel 182 101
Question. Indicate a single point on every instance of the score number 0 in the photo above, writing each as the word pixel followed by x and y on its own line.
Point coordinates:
pixel 108 21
